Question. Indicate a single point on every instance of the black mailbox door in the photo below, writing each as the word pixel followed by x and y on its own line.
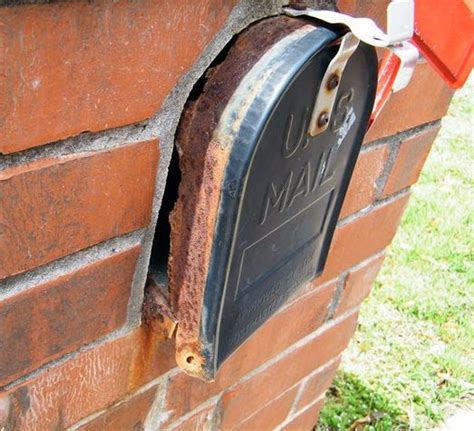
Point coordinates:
pixel 282 189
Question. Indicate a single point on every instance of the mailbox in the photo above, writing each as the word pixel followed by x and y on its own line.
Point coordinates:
pixel 267 146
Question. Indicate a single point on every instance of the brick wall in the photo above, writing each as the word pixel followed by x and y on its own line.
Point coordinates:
pixel 90 96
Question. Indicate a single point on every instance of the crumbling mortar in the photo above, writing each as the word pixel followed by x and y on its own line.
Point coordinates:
pixel 209 402
pixel 299 394
pixel 305 291
pixel 291 417
pixel 367 260
pixel 216 398
pixel 393 197
pixel 154 417
pixel 301 342
pixel 337 295
pixel 156 382
pixel 50 271
pixel 293 412
pixel 401 136
pixel 393 150
pixel 375 205
pixel 217 415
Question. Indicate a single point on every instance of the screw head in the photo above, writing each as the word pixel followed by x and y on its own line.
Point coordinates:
pixel 333 81
pixel 323 119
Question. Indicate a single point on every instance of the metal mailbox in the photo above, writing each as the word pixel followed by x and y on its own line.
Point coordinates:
pixel 261 190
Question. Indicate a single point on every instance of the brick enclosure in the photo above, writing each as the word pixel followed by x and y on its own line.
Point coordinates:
pixel 90 96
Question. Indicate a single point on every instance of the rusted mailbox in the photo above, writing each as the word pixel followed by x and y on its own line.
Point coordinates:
pixel 266 151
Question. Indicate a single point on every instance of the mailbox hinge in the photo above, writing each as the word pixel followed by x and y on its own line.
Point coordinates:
pixel 327 94
pixel 397 66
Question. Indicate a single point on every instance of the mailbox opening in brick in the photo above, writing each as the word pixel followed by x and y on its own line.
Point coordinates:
pixel 266 146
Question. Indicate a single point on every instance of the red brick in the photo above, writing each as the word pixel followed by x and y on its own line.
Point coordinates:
pixel 270 416
pixel 374 9
pixel 106 64
pixel 129 415
pixel 409 161
pixel 242 400
pixel 358 284
pixel 59 316
pixel 359 239
pixel 285 328
pixel 184 394
pixel 57 206
pixel 306 419
pixel 292 323
pixel 363 186
pixel 91 381
pixel 203 420
pixel 317 384
pixel 425 99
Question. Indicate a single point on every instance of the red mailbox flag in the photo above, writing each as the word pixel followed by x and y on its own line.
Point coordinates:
pixel 444 34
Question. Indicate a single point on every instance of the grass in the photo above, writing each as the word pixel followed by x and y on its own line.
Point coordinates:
pixel 411 363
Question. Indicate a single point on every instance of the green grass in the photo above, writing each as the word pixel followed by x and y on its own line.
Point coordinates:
pixel 411 362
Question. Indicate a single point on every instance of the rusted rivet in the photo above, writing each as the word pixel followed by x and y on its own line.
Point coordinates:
pixel 333 81
pixel 323 119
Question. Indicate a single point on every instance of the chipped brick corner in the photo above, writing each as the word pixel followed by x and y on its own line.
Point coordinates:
pixel 91 98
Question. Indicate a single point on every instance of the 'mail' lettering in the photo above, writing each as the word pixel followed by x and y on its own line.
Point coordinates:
pixel 276 197
pixel 282 197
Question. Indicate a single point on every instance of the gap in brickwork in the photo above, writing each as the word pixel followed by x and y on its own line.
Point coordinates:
pixel 158 268
pixel 198 87
pixel 161 242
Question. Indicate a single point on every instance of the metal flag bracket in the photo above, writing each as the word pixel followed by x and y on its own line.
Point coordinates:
pixel 396 68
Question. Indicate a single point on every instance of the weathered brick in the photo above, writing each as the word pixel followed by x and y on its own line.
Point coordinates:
pixel 106 64
pixel 363 186
pixel 285 328
pixel 292 323
pixel 270 416
pixel 404 110
pixel 129 415
pixel 358 284
pixel 57 206
pixel 409 161
pixel 306 419
pixel 184 394
pixel 61 315
pixel 90 381
pixel 316 385
pixel 358 239
pixel 203 420
pixel 374 9
pixel 242 400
